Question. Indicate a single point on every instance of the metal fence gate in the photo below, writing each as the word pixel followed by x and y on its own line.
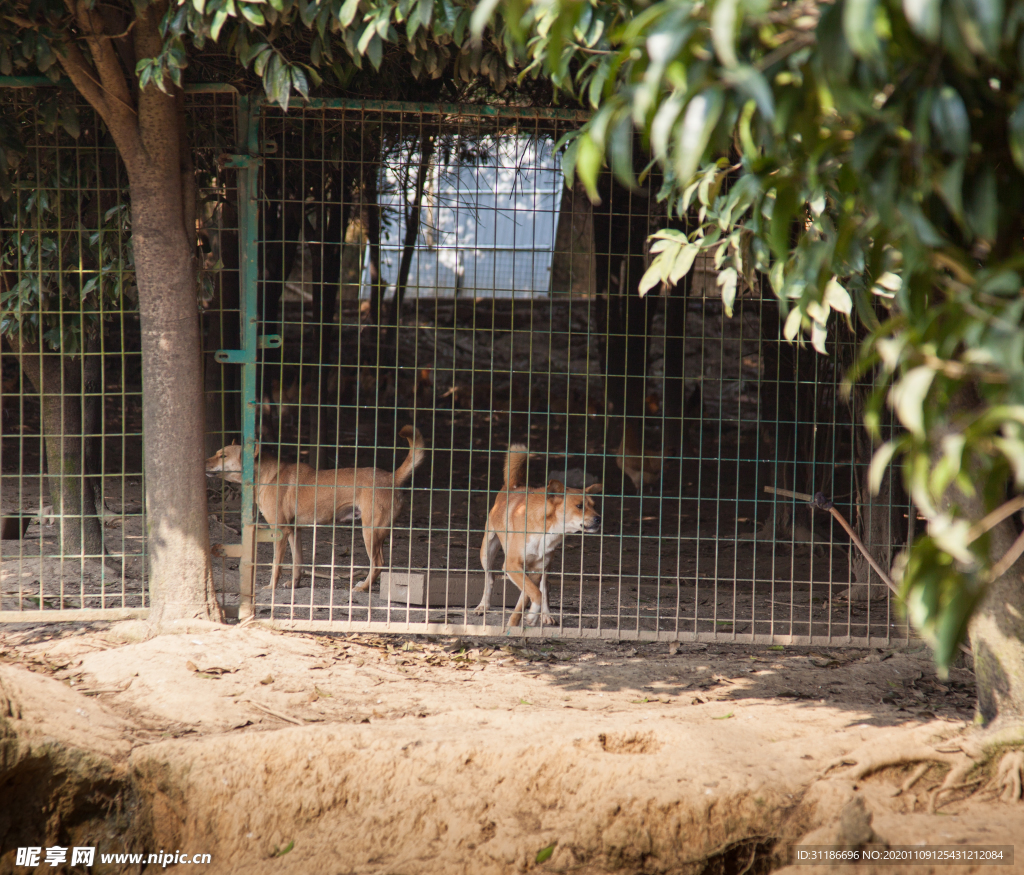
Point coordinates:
pixel 426 266
pixel 372 266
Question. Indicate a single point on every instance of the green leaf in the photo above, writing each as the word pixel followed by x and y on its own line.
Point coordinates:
pixel 950 185
pixel 568 158
pixel 589 162
pixel 263 56
pixel 299 82
pixel 544 854
pixel 924 17
pixel 701 116
pixel 69 120
pixel 724 19
pixel 347 12
pixel 280 852
pixel 661 127
pixel 252 14
pixel 837 298
pixel 908 395
pixel 859 27
pixel 983 208
pixel 482 16
pixel 879 462
pixel 949 465
pixel 375 51
pixel 620 149
pixel 750 83
pixel 950 121
pixel 219 19
pixel 1015 129
pixel 726 281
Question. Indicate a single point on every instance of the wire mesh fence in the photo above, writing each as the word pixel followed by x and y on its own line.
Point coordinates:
pixel 392 297
pixel 427 267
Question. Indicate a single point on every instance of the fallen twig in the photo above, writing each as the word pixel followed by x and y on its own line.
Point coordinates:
pixel 277 714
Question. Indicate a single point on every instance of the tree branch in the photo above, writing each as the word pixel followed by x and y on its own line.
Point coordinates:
pixel 104 58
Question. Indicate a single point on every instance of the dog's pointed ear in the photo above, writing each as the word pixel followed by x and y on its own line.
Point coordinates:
pixel 233 443
pixel 556 486
pixel 256 450
pixel 593 487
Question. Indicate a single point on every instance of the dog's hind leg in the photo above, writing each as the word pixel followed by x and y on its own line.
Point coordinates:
pixel 488 555
pixel 295 541
pixel 373 539
pixel 287 537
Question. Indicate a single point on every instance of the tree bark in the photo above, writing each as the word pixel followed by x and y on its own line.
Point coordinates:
pixel 332 242
pixel 412 227
pixel 370 218
pixel 57 379
pixel 620 233
pixel 996 630
pixel 92 412
pixel 146 125
pixel 572 262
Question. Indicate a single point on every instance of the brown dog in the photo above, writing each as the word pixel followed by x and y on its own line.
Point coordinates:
pixel 290 496
pixel 529 524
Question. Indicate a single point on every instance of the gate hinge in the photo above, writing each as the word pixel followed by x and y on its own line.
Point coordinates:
pixel 239 357
pixel 239 162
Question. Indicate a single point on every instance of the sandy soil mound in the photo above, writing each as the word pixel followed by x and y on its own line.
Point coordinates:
pixel 276 752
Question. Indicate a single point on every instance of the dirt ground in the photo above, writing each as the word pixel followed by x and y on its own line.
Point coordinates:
pixel 285 752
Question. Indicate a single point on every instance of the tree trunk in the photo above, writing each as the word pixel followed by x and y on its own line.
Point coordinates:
pixel 996 630
pixel 370 219
pixel 620 224
pixel 333 241
pixel 997 638
pixel 57 379
pixel 181 582
pixel 92 412
pixel 572 262
pixel 412 227
pixel 148 127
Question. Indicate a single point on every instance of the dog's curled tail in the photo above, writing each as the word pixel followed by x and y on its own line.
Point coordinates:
pixel 515 466
pixel 417 453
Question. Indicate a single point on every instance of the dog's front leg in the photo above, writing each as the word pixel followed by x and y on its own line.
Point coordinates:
pixel 517 614
pixel 514 571
pixel 542 608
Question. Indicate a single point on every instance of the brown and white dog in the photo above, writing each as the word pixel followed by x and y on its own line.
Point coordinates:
pixel 529 524
pixel 294 495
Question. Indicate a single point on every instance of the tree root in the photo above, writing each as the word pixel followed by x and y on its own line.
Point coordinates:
pixel 960 765
pixel 962 758
pixel 1007 781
